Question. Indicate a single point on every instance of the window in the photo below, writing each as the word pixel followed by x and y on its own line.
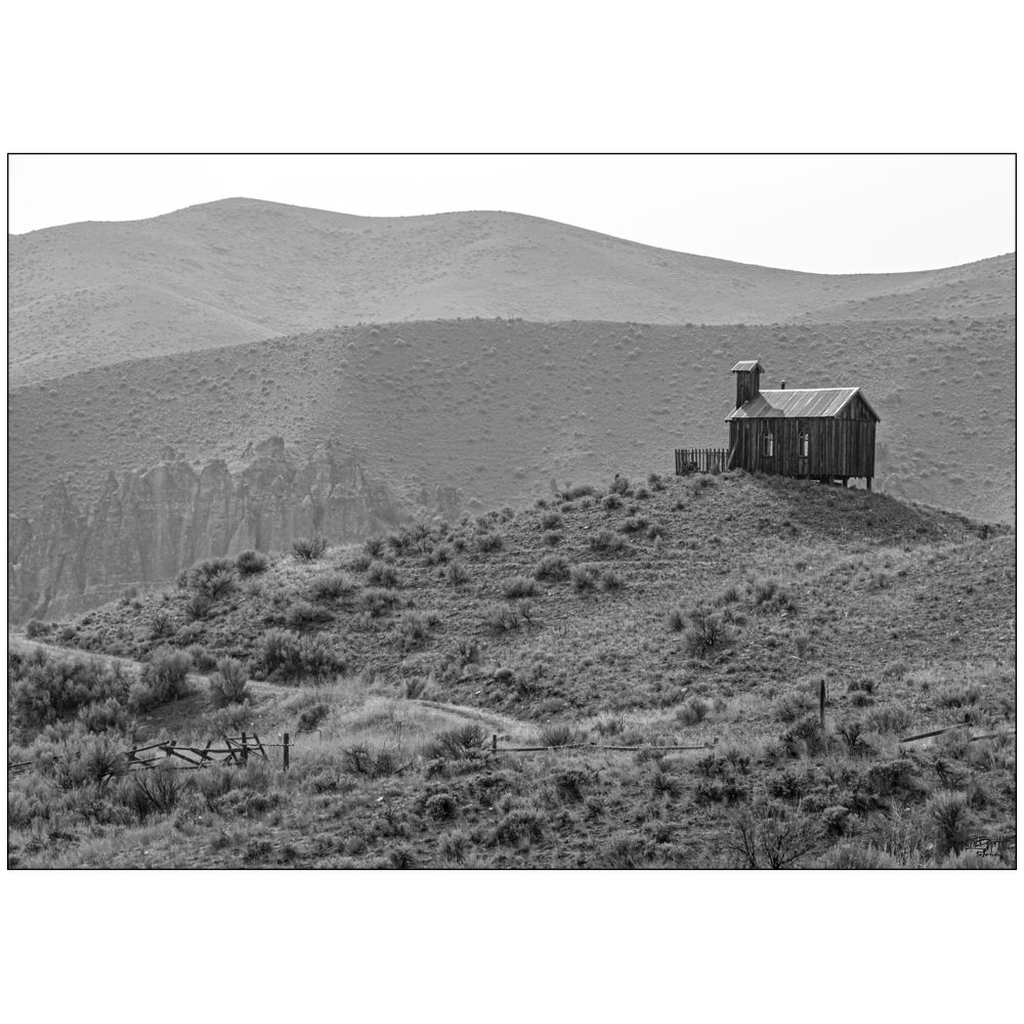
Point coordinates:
pixel 769 444
pixel 805 445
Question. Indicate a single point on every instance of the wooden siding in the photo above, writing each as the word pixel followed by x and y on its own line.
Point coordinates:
pixel 841 447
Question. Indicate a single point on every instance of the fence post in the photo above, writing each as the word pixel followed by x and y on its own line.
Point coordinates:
pixel 245 749
pixel 821 702
pixel 286 751
pixel 494 742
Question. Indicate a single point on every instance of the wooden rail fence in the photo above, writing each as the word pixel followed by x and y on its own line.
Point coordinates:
pixel 235 750
pixel 701 460
pixel 710 745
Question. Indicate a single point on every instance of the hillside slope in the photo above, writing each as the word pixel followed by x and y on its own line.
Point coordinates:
pixel 704 614
pixel 91 294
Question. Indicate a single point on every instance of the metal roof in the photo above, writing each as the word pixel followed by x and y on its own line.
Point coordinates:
pixel 792 402
pixel 748 364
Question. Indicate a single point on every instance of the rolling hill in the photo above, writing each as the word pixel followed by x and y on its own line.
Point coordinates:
pixel 223 273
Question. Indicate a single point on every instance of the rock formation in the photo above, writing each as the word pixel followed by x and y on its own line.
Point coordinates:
pixel 152 523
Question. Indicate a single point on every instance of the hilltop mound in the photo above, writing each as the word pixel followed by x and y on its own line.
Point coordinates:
pixel 92 294
pixel 844 580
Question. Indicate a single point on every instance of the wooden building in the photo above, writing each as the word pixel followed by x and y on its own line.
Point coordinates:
pixel 821 433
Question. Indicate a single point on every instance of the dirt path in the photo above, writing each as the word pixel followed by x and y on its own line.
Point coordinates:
pixel 18 643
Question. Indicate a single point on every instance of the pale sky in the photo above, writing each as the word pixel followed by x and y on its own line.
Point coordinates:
pixel 830 214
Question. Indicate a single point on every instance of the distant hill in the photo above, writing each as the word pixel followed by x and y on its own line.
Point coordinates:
pixel 224 273
pixel 498 409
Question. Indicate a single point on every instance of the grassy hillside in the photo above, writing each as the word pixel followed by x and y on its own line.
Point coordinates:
pixel 93 294
pixel 500 408
pixel 702 612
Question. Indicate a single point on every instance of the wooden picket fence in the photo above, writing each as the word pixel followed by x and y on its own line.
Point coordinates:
pixel 701 460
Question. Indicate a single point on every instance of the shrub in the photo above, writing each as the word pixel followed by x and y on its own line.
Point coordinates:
pixel 36 628
pixel 656 530
pixel 707 632
pixel 888 719
pixel 359 562
pixel 228 684
pixel 161 626
pixel 607 542
pixel 302 615
pixel 693 712
pixel 655 482
pixel 611 501
pixel 277 653
pixel 771 834
pixel 157 790
pixel 415 687
pixel 634 524
pixel 359 760
pixel 378 601
pixel 412 627
pixel 957 696
pixel 502 618
pixel 552 538
pixel 611 580
pixel 318 661
pixel 309 550
pixel 770 596
pixel 110 715
pixel 45 690
pixel 521 825
pixel 251 563
pixel 462 741
pixel 552 567
pixel 440 807
pixel 568 784
pixel 332 586
pixel 198 606
pixel 641 492
pixel 620 485
pixel 952 821
pixel 519 586
pixel 793 706
pixel 492 540
pixel 164 678
pixel 559 735
pixel 853 856
pixel 202 660
pixel 312 716
pixel 456 574
pixel 578 491
pixel 804 738
pixel 214 577
pixel 584 578
pixel 454 845
pixel 550 521
pixel 374 546
pixel 440 555
pixel 382 574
